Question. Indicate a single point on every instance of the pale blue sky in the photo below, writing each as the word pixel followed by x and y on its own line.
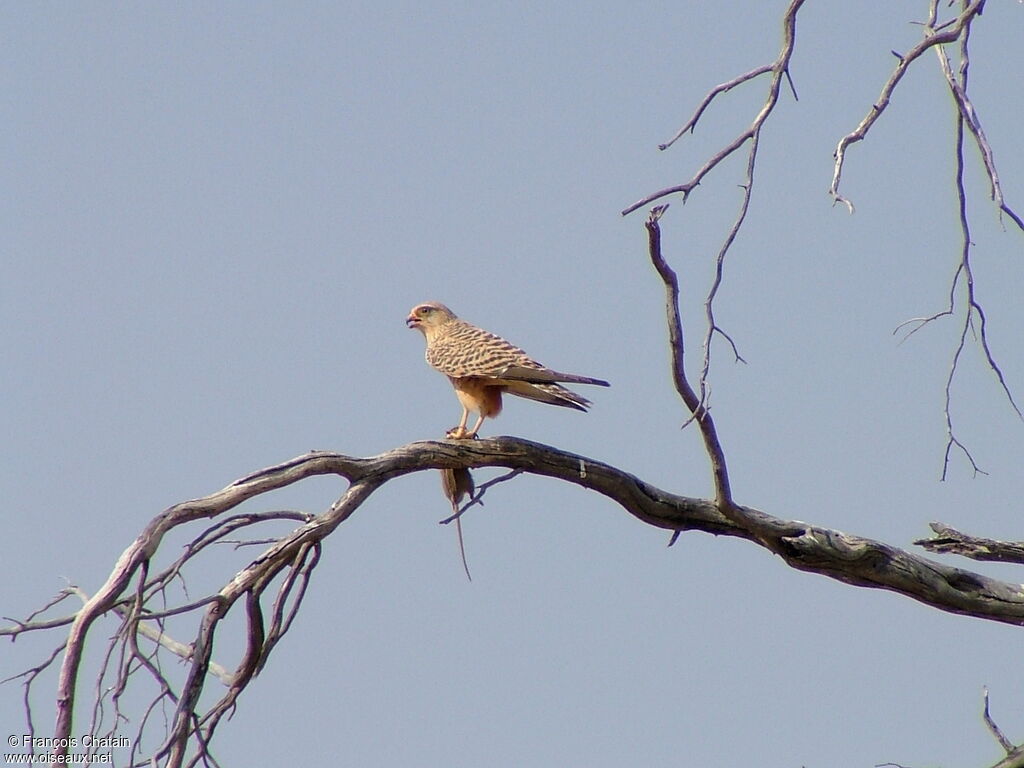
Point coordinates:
pixel 218 215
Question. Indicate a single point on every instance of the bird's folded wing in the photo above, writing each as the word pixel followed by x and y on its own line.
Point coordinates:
pixel 545 375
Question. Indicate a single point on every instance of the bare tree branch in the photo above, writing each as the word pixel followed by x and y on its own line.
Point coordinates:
pixel 936 34
pixel 969 115
pixel 676 340
pixel 778 68
pixel 1013 760
pixel 949 540
pixel 933 36
pixel 691 124
pixel 840 556
pixel 30 676
pixel 289 562
pixel 711 326
pixel 29 624
pixel 964 275
pixel 478 496
pixel 1003 741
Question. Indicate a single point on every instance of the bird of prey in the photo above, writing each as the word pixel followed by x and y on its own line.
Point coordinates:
pixel 481 366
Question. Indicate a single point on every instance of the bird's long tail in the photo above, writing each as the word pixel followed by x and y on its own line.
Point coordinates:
pixel 546 376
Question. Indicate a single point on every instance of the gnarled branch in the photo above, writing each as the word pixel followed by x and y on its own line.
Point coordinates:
pixel 852 559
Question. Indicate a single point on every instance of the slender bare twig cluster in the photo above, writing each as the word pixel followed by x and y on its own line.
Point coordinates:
pixel 936 35
pixel 779 70
pixel 973 320
pixel 143 603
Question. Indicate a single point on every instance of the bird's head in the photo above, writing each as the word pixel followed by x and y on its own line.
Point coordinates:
pixel 429 317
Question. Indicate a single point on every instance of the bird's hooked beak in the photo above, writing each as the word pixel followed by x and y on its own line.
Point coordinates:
pixel 412 321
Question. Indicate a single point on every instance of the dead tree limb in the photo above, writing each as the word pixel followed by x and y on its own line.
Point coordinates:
pixel 949 541
pixel 290 560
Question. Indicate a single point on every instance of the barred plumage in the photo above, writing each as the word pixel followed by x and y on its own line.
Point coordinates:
pixel 482 365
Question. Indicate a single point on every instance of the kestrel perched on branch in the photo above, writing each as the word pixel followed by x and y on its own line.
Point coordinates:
pixel 481 366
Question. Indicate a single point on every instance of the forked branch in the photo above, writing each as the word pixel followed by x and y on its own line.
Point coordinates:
pixel 287 565
pixel 935 34
pixel 697 404
pixel 973 315
pixel 778 69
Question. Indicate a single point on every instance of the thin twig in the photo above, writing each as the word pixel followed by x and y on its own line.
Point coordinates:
pixel 958 89
pixel 933 36
pixel 28 624
pixel 974 319
pixel 691 124
pixel 30 676
pixel 1004 742
pixel 779 70
pixel 711 327
pixel 478 497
